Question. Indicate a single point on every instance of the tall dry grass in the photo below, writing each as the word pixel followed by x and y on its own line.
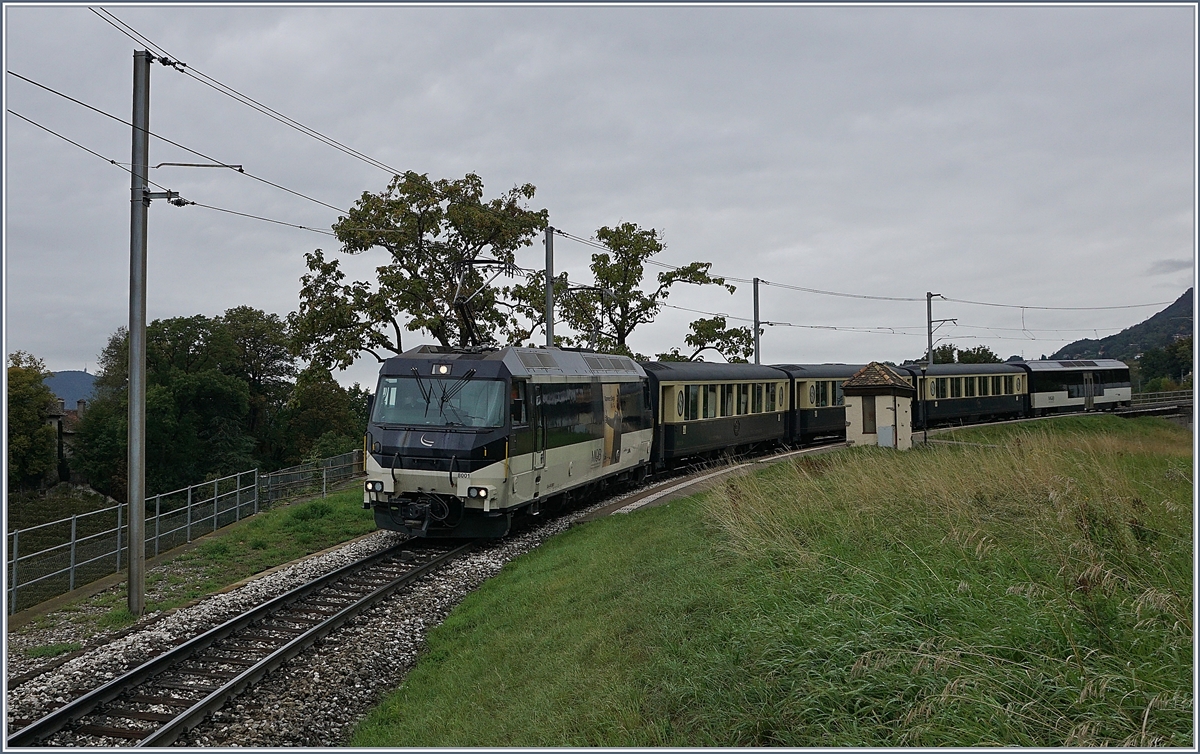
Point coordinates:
pixel 1038 584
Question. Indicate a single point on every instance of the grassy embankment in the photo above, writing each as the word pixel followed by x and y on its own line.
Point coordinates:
pixel 1035 594
pixel 252 545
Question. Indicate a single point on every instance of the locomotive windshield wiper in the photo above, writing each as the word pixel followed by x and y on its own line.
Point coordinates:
pixel 448 392
pixel 426 394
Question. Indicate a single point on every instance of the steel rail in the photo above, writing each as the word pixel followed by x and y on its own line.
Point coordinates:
pixel 89 702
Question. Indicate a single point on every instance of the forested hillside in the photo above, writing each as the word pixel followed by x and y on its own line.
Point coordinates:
pixel 1157 332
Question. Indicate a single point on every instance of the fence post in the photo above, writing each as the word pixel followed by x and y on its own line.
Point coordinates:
pixel 324 480
pixel 157 519
pixel 71 588
pixel 237 483
pixel 12 604
pixel 118 539
pixel 256 492
pixel 215 497
pixel 189 516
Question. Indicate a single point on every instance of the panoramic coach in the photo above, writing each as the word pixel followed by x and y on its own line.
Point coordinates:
pixel 459 442
pixel 1079 385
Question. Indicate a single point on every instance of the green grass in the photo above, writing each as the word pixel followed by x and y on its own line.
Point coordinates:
pixel 253 545
pixel 53 650
pixel 1038 594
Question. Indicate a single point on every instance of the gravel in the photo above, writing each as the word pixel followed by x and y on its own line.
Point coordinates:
pixel 315 699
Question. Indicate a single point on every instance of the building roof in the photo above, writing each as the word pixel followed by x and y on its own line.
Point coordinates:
pixel 874 377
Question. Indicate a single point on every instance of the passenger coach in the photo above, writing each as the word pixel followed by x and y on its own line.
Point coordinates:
pixel 708 409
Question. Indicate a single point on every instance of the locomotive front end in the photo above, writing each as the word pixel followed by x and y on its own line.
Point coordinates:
pixel 438 446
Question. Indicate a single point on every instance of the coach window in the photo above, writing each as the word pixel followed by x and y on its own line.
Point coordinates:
pixel 517 405
pixel 756 398
pixel 693 402
pixel 771 388
pixel 839 397
pixel 943 387
pixel 997 386
pixel 983 386
pixel 970 386
pixel 710 401
pixel 727 400
pixel 1008 385
pixel 956 387
pixel 743 399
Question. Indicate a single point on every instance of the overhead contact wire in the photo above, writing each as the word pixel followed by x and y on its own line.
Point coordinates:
pixel 177 144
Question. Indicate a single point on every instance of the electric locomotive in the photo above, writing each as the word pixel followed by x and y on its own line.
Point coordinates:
pixel 460 442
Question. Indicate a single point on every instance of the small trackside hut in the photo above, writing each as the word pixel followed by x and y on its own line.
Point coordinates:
pixel 878 408
pixel 459 442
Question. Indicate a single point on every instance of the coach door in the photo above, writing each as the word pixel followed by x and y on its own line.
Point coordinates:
pixel 1089 391
pixel 539 429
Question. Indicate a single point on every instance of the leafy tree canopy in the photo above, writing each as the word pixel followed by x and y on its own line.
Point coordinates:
pixel 31 438
pixel 734 344
pixel 978 355
pixel 446 243
pixel 618 305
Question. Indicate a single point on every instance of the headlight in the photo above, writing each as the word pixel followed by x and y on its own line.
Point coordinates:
pixel 374 486
pixel 477 492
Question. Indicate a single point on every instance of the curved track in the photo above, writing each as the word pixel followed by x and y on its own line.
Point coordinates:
pixel 156 702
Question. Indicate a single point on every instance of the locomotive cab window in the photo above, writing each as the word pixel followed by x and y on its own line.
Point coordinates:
pixel 434 402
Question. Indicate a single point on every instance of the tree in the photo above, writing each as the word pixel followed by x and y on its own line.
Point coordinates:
pixel 978 355
pixel 623 306
pixel 197 408
pixel 323 417
pixel 446 243
pixel 734 344
pixel 943 354
pixel 32 452
pixel 262 359
pixel 1173 362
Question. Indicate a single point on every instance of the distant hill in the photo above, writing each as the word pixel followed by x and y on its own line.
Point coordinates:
pixel 1156 332
pixel 71 385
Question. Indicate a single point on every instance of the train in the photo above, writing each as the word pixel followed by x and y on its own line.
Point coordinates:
pixel 460 443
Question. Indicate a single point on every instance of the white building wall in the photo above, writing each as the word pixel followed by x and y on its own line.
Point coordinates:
pixel 895 411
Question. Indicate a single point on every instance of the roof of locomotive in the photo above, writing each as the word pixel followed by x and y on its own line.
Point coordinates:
pixel 703 371
pixel 517 362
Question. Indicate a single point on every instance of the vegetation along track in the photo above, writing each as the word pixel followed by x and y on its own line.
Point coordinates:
pixel 156 702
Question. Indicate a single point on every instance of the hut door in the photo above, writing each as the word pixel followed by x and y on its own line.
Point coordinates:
pixel 868 413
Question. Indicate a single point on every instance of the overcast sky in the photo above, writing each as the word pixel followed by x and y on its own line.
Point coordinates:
pixel 1034 156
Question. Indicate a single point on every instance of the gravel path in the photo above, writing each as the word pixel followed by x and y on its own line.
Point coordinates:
pixel 315 699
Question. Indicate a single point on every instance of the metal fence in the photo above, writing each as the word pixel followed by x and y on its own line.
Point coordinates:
pixel 309 477
pixel 54 558
pixel 1170 397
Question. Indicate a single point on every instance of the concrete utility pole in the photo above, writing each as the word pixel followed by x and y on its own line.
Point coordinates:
pixel 929 325
pixel 140 203
pixel 756 342
pixel 549 287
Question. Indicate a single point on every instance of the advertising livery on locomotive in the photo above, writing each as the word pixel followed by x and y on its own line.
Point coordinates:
pixel 461 441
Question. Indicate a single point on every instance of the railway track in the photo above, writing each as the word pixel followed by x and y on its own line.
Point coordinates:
pixel 156 702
